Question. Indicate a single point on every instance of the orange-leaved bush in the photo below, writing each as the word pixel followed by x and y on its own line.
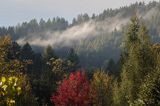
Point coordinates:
pixel 74 91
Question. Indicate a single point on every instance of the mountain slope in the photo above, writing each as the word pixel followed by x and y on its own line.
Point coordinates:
pixel 96 39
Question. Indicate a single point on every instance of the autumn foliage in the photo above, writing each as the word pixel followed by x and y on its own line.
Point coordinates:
pixel 74 91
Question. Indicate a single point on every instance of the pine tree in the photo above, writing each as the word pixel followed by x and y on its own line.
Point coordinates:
pixel 73 58
pixel 138 61
pixel 15 51
pixel 27 52
pixel 111 67
pixel 49 53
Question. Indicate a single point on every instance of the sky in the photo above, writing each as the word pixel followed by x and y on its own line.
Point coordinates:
pixel 13 12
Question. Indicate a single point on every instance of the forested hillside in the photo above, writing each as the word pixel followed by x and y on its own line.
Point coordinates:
pixel 109 59
pixel 31 79
pixel 96 39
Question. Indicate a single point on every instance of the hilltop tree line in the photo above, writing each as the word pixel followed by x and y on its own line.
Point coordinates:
pixel 59 23
pixel 97 52
pixel 31 79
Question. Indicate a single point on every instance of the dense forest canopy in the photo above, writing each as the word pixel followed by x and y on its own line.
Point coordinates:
pixel 110 59
pixel 29 78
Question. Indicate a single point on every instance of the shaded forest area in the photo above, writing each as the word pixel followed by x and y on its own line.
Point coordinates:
pixel 30 78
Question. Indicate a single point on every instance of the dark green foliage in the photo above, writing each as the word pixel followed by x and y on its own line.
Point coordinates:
pixel 48 54
pixel 27 52
pixel 37 62
pixel 15 51
pixel 26 99
pixel 111 67
pixel 73 58
pixel 43 86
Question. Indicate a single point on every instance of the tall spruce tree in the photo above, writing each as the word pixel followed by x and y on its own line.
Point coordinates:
pixel 15 50
pixel 73 58
pixel 138 61
pixel 49 53
pixel 27 52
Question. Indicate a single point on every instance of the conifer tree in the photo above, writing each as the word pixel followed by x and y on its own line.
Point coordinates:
pixel 49 53
pixel 150 90
pixel 73 58
pixel 138 61
pixel 27 52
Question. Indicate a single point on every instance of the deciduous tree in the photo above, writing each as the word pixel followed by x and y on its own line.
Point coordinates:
pixel 74 91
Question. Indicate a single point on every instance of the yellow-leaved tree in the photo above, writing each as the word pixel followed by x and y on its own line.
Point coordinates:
pixel 14 86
